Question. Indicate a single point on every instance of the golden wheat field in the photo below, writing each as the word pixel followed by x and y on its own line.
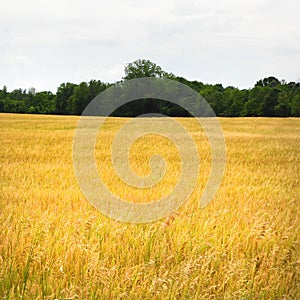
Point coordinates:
pixel 244 245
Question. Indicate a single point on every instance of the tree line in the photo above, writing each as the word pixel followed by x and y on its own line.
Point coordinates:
pixel 270 97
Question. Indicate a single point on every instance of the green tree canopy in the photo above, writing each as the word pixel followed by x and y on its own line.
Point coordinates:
pixel 270 97
pixel 144 68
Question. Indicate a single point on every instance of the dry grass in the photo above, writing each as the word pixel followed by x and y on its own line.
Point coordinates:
pixel 244 245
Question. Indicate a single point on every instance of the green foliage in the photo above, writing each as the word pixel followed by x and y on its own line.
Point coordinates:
pixel 83 94
pixel 269 97
pixel 269 81
pixel 295 106
pixel 63 98
pixel 144 68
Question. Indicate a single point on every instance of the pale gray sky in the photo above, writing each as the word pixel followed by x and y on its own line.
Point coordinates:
pixel 46 43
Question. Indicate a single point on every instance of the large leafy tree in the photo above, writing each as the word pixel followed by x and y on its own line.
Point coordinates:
pixel 144 68
pixel 83 94
pixel 63 98
pixel 214 95
pixel 270 81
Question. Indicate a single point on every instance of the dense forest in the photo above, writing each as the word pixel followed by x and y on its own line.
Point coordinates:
pixel 270 97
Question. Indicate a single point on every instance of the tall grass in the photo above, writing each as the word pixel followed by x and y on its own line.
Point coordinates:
pixel 55 245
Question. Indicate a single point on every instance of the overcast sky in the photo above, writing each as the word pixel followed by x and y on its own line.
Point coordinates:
pixel 46 43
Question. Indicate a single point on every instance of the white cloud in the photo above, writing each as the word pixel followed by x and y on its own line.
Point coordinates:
pixel 232 42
